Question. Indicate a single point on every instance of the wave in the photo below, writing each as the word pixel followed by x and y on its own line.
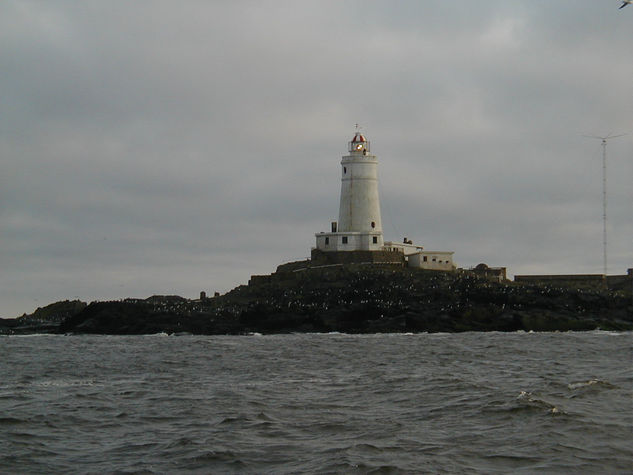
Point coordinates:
pixel 591 382
pixel 64 383
pixel 11 421
pixel 528 399
pixel 33 335
pixel 610 332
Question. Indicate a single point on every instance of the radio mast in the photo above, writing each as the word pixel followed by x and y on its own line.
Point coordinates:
pixel 604 195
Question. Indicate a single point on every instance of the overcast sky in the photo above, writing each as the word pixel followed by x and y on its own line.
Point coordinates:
pixel 161 147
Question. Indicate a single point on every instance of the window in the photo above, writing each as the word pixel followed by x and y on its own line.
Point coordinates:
pixel 327 241
pixel 344 239
pixel 344 170
pixel 425 258
pixel 375 239
pixel 373 224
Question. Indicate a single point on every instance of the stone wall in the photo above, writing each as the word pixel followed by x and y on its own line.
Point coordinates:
pixel 293 266
pixel 328 268
pixel 621 282
pixel 320 258
pixel 259 279
pixel 577 281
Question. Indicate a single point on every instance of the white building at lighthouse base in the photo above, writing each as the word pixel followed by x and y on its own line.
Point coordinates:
pixel 419 258
pixel 349 241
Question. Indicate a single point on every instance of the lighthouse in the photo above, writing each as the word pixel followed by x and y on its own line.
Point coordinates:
pixel 359 225
pixel 357 235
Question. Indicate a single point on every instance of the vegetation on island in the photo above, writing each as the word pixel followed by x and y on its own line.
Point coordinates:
pixel 352 299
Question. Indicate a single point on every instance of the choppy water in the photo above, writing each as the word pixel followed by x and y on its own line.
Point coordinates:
pixel 438 403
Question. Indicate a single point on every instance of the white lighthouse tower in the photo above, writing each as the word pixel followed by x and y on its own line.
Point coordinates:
pixel 359 226
pixel 359 210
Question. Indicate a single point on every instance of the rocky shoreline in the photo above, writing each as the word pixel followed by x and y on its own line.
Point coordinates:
pixel 351 299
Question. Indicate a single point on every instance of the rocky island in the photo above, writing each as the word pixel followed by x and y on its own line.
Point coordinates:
pixel 357 282
pixel 350 298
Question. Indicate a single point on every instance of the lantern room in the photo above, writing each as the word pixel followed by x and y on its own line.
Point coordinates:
pixel 359 144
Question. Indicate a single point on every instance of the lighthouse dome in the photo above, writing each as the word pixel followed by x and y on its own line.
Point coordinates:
pixel 358 137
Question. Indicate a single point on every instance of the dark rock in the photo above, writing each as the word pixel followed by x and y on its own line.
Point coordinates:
pixel 44 320
pixel 366 299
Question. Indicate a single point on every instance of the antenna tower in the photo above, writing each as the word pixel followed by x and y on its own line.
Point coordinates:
pixel 604 195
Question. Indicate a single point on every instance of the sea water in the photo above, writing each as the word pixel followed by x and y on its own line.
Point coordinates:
pixel 317 403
